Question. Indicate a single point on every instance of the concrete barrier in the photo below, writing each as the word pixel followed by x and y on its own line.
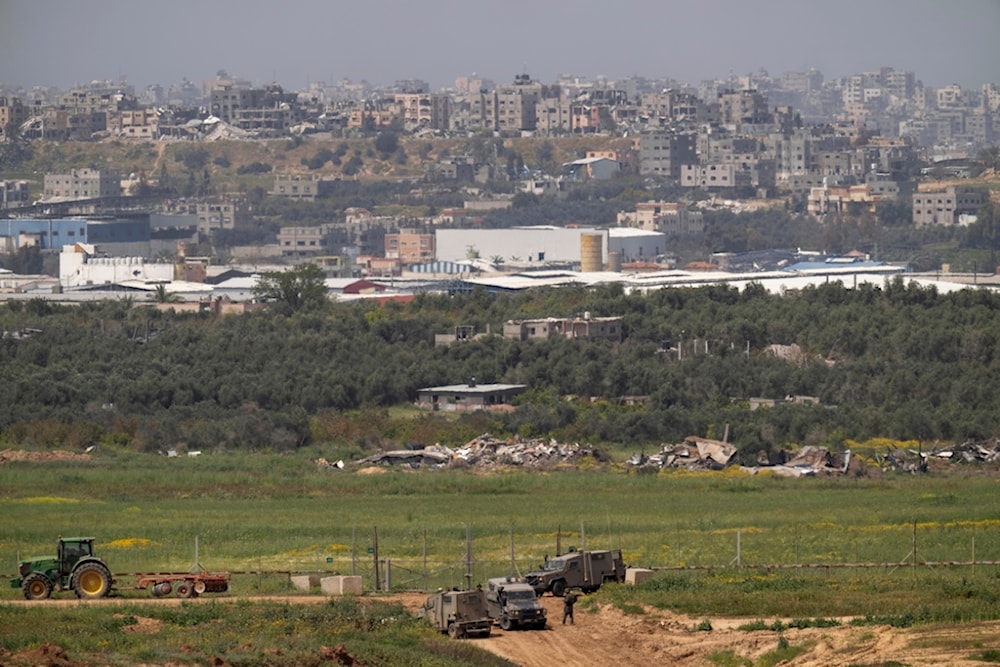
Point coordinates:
pixel 341 585
pixel 305 582
pixel 637 575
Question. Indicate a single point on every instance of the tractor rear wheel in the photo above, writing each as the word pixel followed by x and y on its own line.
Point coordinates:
pixel 91 580
pixel 36 586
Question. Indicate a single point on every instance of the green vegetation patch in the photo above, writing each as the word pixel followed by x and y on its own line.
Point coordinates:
pixel 242 632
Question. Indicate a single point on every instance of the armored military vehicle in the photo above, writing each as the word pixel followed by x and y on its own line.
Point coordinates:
pixel 512 603
pixel 585 570
pixel 459 613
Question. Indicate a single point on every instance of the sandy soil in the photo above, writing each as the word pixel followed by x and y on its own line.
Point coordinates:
pixel 607 636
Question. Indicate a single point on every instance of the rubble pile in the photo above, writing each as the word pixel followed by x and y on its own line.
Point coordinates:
pixel 693 454
pixel 809 461
pixel 699 454
pixel 913 460
pixel 487 451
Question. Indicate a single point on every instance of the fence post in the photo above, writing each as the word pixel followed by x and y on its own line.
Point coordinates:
pixel 376 587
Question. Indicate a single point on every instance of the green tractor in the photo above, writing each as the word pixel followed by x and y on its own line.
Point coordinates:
pixel 74 567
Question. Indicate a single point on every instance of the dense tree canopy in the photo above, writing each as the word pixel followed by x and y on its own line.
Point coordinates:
pixel 895 361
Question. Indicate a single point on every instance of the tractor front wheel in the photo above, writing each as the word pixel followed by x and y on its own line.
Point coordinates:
pixel 36 586
pixel 91 580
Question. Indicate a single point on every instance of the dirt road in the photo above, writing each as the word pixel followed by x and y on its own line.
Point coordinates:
pixel 607 636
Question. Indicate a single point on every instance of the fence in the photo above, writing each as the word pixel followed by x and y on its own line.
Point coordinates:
pixel 412 563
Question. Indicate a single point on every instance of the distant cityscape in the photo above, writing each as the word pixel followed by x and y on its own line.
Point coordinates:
pixel 888 102
pixel 848 142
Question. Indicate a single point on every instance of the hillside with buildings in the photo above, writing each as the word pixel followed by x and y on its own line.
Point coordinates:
pixel 634 175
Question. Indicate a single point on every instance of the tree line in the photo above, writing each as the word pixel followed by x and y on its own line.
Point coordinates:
pixel 896 360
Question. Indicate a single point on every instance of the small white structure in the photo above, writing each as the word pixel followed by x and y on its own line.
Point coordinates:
pixel 79 267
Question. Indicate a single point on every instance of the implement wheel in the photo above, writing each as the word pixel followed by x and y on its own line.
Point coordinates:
pixel 91 580
pixel 184 589
pixel 36 586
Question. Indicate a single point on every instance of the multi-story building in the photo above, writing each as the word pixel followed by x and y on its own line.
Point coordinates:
pixel 14 194
pixel 745 107
pixel 947 207
pixel 304 187
pixel 554 116
pixel 509 110
pixel 82 184
pixel 826 199
pixel 663 152
pixel 306 241
pixel 410 246
pixel 268 108
pixel 424 110
pixel 220 214
pixel 12 111
pixel 671 218
pixel 134 124
pixel 714 177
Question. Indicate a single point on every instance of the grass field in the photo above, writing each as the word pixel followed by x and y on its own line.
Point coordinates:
pixel 272 513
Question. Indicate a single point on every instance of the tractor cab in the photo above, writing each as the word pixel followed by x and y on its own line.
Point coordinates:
pixel 71 550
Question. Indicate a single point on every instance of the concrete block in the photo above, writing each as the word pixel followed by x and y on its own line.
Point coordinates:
pixel 341 585
pixel 305 582
pixel 637 575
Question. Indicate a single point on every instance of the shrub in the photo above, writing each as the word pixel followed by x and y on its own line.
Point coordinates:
pixel 254 168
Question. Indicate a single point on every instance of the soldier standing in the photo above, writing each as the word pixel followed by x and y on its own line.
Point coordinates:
pixel 568 601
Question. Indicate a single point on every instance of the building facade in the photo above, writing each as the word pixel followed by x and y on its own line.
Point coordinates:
pixel 948 206
pixel 82 184
pixel 410 246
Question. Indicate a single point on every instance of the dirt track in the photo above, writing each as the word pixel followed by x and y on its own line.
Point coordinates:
pixel 607 636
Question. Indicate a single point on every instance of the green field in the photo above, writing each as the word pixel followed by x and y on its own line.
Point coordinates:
pixel 722 539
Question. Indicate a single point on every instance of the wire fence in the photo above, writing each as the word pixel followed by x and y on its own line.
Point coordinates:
pixel 415 565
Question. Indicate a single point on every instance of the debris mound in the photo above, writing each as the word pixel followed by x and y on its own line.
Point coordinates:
pixel 693 454
pixel 487 451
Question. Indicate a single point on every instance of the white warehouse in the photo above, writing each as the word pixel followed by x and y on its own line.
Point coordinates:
pixel 588 246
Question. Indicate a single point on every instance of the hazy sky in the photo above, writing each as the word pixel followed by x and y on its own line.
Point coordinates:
pixel 61 43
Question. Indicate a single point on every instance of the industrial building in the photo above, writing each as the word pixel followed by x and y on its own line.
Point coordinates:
pixel 590 248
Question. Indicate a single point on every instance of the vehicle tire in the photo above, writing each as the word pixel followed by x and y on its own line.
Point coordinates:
pixel 36 586
pixel 91 580
pixel 184 589
pixel 559 588
pixel 505 623
pixel 453 631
